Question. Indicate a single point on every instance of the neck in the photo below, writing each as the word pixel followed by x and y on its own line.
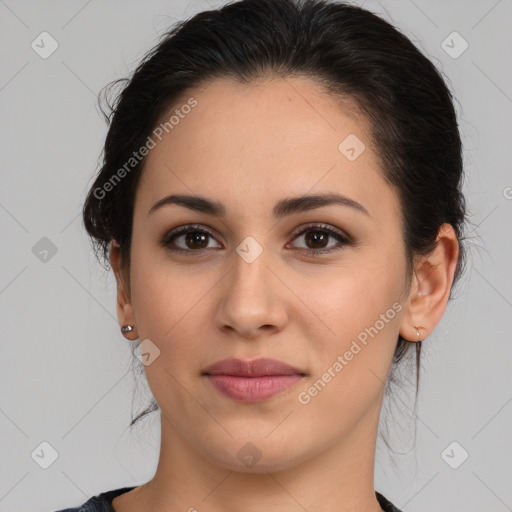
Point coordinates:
pixel 338 479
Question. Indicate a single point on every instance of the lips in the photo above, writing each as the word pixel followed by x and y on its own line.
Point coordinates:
pixel 252 381
pixel 256 368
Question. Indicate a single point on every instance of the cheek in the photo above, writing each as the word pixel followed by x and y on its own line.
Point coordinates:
pixel 352 298
pixel 167 311
pixel 172 309
pixel 358 310
pixel 351 364
pixel 162 293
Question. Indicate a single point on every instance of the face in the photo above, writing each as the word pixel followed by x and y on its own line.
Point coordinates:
pixel 316 285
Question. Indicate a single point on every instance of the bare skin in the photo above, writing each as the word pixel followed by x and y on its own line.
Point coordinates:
pixel 248 147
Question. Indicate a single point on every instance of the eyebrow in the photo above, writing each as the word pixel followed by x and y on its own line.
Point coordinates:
pixel 282 208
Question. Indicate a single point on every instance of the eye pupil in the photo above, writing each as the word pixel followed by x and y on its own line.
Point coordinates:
pixel 197 240
pixel 194 236
pixel 317 237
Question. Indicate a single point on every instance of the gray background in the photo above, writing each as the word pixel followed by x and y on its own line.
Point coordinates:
pixel 66 375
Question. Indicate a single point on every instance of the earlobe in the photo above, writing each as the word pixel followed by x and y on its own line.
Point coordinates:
pixel 430 291
pixel 124 308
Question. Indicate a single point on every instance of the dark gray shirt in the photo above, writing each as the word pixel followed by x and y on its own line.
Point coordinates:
pixel 103 502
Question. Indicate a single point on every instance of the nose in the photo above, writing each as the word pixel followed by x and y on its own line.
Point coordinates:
pixel 253 301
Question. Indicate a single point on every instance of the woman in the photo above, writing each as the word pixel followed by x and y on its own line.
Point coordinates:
pixel 280 201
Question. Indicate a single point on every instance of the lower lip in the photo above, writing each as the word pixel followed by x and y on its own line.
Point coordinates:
pixel 252 389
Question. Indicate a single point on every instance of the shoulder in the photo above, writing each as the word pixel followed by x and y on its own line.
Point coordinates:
pixel 91 505
pixel 100 503
pixel 386 505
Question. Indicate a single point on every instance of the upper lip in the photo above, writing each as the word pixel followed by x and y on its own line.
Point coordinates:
pixel 254 368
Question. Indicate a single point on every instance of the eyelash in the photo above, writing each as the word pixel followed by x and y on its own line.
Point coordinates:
pixel 343 239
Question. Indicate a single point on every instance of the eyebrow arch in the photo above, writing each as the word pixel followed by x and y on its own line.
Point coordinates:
pixel 282 208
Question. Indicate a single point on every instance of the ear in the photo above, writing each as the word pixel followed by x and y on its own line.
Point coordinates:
pixel 124 308
pixel 430 289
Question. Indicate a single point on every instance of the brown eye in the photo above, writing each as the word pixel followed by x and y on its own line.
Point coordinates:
pixel 316 240
pixel 196 237
pixel 187 239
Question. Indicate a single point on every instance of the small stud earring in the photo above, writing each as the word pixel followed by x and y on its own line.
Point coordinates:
pixel 418 332
pixel 126 328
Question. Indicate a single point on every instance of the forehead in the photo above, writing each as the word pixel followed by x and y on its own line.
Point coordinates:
pixel 252 144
